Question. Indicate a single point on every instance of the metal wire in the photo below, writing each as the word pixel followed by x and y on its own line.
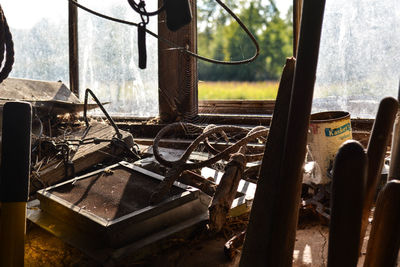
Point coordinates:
pixel 184 49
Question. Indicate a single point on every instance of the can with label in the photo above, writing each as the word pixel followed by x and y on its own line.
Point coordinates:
pixel 327 131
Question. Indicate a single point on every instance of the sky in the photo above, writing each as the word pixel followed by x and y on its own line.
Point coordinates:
pixel 25 13
pixel 283 5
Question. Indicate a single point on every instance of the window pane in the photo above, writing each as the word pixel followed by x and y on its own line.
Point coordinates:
pixel 40 35
pixel 221 37
pixel 108 59
pixel 358 60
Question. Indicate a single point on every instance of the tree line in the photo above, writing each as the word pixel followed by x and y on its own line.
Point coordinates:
pixel 221 37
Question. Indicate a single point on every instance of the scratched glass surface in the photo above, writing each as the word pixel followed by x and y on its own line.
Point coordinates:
pixel 40 34
pixel 109 59
pixel 359 56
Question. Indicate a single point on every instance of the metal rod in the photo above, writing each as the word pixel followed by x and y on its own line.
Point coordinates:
pixel 14 181
pixel 73 48
pixel 376 152
pixel 87 92
pixel 348 190
pixel 384 239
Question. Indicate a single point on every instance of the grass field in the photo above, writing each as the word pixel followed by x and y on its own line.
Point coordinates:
pixel 238 90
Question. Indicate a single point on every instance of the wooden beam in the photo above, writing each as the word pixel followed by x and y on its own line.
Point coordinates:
pixel 177 72
pixel 297 7
pixel 256 245
pixel 73 48
pixel 348 189
pixel 272 227
pixel 236 106
pixel 376 152
pixel 384 239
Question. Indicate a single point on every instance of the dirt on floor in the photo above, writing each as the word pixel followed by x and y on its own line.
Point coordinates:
pixel 43 249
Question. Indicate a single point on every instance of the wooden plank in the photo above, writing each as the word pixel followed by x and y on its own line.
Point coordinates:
pixel 268 182
pixel 177 71
pixel 73 48
pixel 297 8
pixel 24 89
pixel 384 240
pixel 376 152
pixel 236 106
pixel 348 190
pixel 274 232
pixel 87 155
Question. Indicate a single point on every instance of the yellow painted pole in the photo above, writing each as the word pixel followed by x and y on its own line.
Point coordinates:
pixel 14 181
pixel 12 231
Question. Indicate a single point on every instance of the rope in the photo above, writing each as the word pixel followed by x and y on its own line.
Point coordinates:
pixel 184 49
pixel 6 47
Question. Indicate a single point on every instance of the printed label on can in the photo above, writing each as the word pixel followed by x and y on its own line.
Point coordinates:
pixel 336 131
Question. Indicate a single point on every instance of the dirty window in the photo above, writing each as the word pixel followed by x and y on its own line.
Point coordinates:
pixel 40 35
pixel 358 60
pixel 108 59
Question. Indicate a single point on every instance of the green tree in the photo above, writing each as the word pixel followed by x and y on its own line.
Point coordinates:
pixel 276 44
pixel 221 37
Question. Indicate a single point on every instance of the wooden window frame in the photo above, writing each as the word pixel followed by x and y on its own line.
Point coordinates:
pixel 178 81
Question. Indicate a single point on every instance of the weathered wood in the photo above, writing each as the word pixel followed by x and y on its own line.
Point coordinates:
pixel 272 235
pixel 376 152
pixel 384 238
pixel 297 7
pixel 24 89
pixel 236 106
pixel 394 170
pixel 177 71
pixel 87 155
pixel 255 244
pixel 183 144
pixel 198 181
pixel 226 191
pixel 54 107
pixel 73 48
pixel 348 190
pixel 233 245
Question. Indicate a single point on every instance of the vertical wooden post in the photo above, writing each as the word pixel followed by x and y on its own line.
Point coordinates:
pixel 394 169
pixel 177 71
pixel 376 152
pixel 297 7
pixel 384 240
pixel 255 246
pixel 73 48
pixel 272 242
pixel 14 181
pixel 348 190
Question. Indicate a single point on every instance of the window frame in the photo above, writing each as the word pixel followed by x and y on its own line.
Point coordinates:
pixel 178 82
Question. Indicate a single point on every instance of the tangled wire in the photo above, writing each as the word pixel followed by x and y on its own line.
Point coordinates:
pixel 6 47
pixel 176 167
pixel 182 163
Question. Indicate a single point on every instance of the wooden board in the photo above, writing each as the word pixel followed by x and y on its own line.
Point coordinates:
pixel 24 89
pixel 236 106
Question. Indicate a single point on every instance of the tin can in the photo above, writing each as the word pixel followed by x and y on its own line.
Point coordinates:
pixel 327 131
